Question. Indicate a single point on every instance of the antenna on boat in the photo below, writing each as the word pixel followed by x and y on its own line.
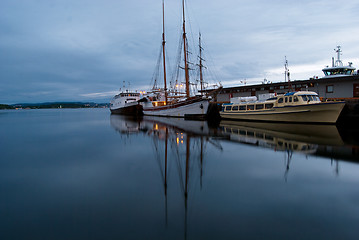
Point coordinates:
pixel 163 50
pixel 287 73
pixel 338 62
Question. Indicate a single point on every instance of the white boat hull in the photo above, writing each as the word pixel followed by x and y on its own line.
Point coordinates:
pixel 189 108
pixel 326 112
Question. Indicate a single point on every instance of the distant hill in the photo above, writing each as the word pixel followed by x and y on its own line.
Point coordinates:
pixel 58 105
pixel 4 106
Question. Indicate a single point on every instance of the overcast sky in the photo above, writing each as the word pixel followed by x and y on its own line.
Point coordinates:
pixel 79 50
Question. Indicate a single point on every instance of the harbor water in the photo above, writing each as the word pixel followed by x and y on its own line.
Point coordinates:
pixel 87 174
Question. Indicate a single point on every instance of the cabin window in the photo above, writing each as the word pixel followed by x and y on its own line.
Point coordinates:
pixel 280 100
pixel 304 97
pixel 250 107
pixel 223 108
pixel 330 89
pixel 242 107
pixel 259 135
pixel 228 108
pixel 268 137
pixel 269 105
pixel 242 132
pixel 296 99
pixel 235 108
pixel 286 99
pixel 259 106
pixel 290 99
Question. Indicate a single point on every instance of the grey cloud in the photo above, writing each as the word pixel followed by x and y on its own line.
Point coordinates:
pixel 67 50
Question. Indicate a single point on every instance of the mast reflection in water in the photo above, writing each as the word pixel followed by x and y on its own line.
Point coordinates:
pixel 178 141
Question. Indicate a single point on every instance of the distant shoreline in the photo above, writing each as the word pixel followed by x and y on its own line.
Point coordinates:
pixel 50 105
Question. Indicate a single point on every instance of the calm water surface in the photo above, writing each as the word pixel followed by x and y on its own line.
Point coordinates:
pixel 86 174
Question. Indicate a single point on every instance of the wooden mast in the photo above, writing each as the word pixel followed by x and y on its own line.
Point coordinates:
pixel 163 50
pixel 185 51
pixel 200 64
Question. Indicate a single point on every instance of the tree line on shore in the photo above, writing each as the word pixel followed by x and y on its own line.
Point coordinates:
pixel 54 105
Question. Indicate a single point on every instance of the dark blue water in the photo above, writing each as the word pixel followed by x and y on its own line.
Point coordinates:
pixel 84 174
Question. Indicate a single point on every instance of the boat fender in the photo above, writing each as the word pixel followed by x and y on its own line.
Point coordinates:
pixel 201 106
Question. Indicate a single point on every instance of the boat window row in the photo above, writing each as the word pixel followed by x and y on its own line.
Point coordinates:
pixel 289 99
pixel 249 107
pixel 270 140
pixel 249 133
pixel 343 71
pixel 310 98
pixel 129 94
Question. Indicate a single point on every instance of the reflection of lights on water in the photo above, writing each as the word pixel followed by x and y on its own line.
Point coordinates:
pixel 179 139
pixel 156 126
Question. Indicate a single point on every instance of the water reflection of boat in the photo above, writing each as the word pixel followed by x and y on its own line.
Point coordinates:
pixel 180 153
pixel 181 124
pixel 124 124
pixel 294 137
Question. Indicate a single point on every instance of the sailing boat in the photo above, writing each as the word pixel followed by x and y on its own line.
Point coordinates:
pixel 176 105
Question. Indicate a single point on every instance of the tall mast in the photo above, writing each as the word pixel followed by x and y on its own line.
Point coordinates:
pixel 163 50
pixel 185 52
pixel 200 64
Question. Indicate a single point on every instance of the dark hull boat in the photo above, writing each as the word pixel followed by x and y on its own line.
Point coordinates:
pixel 126 104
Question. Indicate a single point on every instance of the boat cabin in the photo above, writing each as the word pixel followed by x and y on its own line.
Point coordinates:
pixel 337 68
pixel 124 98
pixel 340 70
